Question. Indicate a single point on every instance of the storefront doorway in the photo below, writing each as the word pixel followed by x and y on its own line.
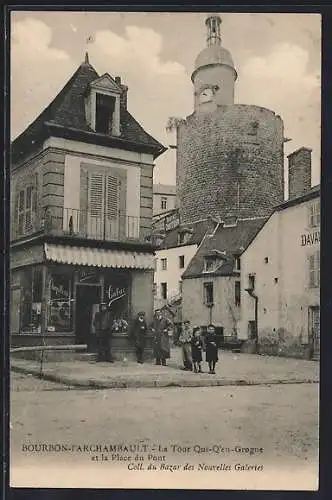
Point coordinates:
pixel 314 326
pixel 87 298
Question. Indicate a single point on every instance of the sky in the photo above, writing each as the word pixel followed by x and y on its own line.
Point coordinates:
pixel 277 57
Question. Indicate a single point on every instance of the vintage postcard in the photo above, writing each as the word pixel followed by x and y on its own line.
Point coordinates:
pixel 165 250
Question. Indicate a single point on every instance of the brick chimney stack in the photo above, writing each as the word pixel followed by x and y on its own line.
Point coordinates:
pixel 299 172
pixel 123 98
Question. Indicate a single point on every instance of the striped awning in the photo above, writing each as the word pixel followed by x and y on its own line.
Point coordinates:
pixel 98 257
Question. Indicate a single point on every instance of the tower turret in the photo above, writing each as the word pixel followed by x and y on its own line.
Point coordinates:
pixel 214 75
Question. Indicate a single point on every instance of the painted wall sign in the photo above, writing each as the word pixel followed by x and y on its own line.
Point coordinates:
pixel 310 239
pixel 115 294
pixel 172 221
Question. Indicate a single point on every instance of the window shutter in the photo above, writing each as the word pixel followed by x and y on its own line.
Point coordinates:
pixel 312 270
pixel 96 188
pixel 311 215
pixel 28 209
pixel 20 212
pixel 112 206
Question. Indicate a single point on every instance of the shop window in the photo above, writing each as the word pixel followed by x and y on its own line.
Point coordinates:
pixel 181 261
pixel 163 290
pixel 163 203
pixel 314 214
pixel 60 305
pixel 208 293
pixel 314 270
pixel 237 292
pixel 32 283
pixel 164 264
pixel 117 295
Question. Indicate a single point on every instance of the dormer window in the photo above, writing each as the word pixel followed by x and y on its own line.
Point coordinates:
pixel 213 260
pixel 210 264
pixel 102 105
pixel 184 236
pixel 105 108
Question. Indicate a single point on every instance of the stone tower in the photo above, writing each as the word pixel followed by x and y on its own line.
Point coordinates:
pixel 229 156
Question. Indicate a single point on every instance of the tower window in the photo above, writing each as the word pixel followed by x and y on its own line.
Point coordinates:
pixel 105 106
pixel 253 128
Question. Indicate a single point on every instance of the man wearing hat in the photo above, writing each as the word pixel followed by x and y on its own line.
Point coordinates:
pixel 139 331
pixel 103 326
pixel 185 341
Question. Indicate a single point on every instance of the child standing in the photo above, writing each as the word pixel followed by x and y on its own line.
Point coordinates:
pixel 196 350
pixel 211 348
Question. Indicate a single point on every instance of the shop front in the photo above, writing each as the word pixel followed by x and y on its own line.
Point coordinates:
pixel 55 303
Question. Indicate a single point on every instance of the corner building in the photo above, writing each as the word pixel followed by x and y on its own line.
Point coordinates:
pixel 229 156
pixel 81 211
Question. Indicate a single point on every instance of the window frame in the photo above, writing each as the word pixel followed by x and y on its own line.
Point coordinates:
pixel 237 293
pixel 163 264
pixel 163 290
pixel 111 115
pixel 314 214
pixel 26 209
pixel 208 293
pixel 314 269
pixel 163 201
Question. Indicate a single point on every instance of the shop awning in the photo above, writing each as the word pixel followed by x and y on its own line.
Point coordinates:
pixel 98 257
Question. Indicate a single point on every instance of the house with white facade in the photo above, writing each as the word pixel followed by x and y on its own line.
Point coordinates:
pixel 171 260
pixel 280 273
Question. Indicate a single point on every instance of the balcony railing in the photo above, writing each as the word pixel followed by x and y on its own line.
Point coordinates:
pixel 84 224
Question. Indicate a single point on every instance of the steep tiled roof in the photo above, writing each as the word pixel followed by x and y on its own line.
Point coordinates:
pixel 198 231
pixel 232 240
pixel 67 113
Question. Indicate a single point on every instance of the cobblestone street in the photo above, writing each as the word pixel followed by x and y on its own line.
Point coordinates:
pixel 281 419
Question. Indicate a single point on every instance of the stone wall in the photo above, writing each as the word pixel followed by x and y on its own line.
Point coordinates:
pixel 230 162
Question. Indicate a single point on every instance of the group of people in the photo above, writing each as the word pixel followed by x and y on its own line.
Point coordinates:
pixel 192 342
pixel 161 327
pixel 193 345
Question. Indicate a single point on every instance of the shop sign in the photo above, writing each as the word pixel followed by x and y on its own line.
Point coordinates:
pixel 115 294
pixel 89 276
pixel 172 221
pixel 310 239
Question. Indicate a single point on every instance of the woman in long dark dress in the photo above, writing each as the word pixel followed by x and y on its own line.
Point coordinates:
pixel 196 350
pixel 211 348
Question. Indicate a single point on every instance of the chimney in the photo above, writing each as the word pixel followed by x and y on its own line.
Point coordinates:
pixel 123 98
pixel 299 172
